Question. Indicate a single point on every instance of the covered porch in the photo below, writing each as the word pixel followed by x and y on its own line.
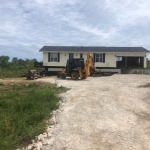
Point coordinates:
pixel 130 62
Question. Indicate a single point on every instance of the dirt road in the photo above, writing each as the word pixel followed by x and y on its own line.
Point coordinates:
pixel 104 113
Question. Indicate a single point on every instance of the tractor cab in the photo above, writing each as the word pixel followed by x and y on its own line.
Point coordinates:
pixel 74 64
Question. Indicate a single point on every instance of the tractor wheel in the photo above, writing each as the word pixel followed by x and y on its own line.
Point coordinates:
pixel 58 75
pixel 75 75
pixel 63 76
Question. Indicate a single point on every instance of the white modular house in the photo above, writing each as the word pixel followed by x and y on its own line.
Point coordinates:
pixel 55 57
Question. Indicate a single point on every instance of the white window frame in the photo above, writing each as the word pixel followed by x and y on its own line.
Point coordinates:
pixel 99 57
pixel 54 57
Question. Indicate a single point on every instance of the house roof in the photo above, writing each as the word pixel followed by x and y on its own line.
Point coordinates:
pixel 92 49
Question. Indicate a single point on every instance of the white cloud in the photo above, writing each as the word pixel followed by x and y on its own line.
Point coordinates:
pixel 29 25
pixel 94 31
pixel 129 12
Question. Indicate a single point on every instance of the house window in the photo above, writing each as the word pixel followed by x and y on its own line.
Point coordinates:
pixel 98 57
pixel 53 57
pixel 71 55
pixel 81 55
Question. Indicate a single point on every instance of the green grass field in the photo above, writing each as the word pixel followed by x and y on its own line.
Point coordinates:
pixel 24 109
pixel 12 73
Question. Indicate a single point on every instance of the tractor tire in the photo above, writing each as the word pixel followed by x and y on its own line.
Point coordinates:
pixel 63 76
pixel 58 75
pixel 75 75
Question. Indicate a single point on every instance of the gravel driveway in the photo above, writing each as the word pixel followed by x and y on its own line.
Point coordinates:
pixel 103 113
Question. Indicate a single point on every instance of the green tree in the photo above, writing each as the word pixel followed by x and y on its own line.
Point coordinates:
pixel 21 62
pixel 15 60
pixel 4 61
pixel 16 67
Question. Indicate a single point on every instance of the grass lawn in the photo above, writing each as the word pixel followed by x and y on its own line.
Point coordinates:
pixel 24 109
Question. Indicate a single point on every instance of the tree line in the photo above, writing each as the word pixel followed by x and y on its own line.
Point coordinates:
pixel 16 67
pixel 16 63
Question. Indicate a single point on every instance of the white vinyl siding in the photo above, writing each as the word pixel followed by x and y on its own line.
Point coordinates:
pixel 109 59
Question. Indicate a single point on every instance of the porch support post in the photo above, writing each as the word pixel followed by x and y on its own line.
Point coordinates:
pixel 145 64
pixel 126 61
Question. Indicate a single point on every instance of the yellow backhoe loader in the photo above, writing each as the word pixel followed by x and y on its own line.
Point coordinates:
pixel 76 68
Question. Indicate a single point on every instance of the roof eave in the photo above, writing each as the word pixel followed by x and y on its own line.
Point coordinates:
pixel 93 51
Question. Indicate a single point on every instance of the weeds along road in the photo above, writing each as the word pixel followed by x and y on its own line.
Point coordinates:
pixel 104 113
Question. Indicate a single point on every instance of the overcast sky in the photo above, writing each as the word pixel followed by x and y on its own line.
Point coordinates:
pixel 27 25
